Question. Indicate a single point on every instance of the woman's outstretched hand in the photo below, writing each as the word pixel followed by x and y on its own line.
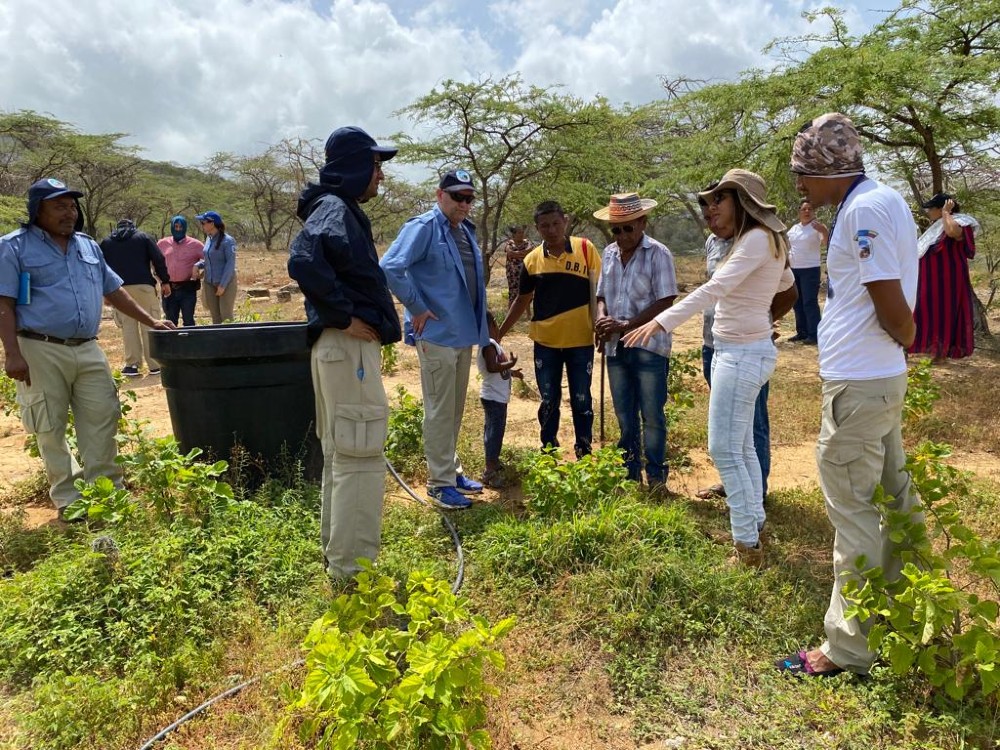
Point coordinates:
pixel 640 336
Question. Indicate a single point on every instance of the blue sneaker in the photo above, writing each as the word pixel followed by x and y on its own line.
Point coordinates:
pixel 448 498
pixel 467 486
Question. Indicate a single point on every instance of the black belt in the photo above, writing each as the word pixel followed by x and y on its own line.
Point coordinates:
pixel 53 339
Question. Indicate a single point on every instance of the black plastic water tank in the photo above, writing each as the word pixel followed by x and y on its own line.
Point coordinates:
pixel 246 384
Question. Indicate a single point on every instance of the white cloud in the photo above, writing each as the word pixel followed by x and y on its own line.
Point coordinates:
pixel 188 78
pixel 625 50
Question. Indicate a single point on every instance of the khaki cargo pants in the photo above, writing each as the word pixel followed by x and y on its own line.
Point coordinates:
pixel 860 446
pixel 352 416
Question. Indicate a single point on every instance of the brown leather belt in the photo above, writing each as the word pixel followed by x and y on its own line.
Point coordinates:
pixel 53 339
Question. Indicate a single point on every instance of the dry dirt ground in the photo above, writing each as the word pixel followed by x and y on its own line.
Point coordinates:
pixel 560 696
pixel 792 465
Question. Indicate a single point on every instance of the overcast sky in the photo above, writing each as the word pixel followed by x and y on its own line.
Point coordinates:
pixel 188 78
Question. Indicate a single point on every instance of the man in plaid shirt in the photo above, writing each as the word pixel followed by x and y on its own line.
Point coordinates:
pixel 637 282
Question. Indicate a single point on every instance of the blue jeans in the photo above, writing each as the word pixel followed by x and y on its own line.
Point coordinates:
pixel 181 302
pixel 638 381
pixel 761 421
pixel 579 363
pixel 739 371
pixel 807 315
pixel 494 427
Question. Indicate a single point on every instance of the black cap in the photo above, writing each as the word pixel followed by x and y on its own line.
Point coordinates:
pixel 937 201
pixel 455 180
pixel 351 140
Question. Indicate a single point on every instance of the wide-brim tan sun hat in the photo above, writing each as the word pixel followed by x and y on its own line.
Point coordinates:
pixel 752 192
pixel 625 207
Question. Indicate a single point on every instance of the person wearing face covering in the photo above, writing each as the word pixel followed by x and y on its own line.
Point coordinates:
pixel 131 253
pixel 181 253
pixel 351 316
pixel 53 284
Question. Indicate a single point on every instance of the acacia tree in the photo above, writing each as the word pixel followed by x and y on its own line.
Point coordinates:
pixel 921 87
pixel 266 182
pixel 501 131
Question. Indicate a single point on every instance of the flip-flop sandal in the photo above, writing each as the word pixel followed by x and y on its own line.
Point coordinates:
pixel 797 665
pixel 709 493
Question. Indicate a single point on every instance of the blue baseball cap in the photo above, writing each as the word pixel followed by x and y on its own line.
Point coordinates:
pixel 46 189
pixel 211 216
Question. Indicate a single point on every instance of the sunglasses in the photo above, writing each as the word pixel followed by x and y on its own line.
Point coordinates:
pixel 462 198
pixel 627 229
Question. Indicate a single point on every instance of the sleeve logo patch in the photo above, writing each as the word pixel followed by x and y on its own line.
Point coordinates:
pixel 865 239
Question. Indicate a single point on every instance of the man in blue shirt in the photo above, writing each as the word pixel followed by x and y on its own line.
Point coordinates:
pixel 53 280
pixel 435 269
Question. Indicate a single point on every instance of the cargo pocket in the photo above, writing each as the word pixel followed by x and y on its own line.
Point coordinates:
pixel 35 413
pixel 359 430
pixel 434 373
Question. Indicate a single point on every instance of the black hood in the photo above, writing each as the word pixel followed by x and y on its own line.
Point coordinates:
pixel 312 191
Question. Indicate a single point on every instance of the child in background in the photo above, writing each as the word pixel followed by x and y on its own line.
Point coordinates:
pixel 496 368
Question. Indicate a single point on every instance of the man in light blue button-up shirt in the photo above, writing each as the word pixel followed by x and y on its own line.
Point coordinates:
pixel 53 280
pixel 435 269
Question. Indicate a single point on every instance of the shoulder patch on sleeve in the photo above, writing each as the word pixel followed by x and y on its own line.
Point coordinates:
pixel 865 240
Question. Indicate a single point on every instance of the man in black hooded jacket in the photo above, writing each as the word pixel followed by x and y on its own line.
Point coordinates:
pixel 351 316
pixel 130 254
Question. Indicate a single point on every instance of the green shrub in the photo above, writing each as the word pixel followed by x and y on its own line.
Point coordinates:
pixel 390 359
pixel 921 391
pixel 935 618
pixel 554 488
pixel 404 445
pixel 370 684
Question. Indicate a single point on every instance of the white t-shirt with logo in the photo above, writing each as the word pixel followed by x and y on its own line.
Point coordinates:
pixel 875 239
pixel 805 243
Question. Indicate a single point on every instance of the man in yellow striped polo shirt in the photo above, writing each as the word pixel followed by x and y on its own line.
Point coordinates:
pixel 558 276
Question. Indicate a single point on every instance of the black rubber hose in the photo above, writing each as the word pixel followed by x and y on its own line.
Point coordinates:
pixel 455 588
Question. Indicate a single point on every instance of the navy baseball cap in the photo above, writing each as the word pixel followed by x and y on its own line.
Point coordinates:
pixel 46 189
pixel 49 188
pixel 211 216
pixel 351 140
pixel 456 180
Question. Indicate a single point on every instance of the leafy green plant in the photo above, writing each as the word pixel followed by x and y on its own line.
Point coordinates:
pixel 934 618
pixel 8 395
pixel 174 483
pixel 102 502
pixel 921 391
pixel 390 359
pixel 554 488
pixel 404 445
pixel 680 400
pixel 371 684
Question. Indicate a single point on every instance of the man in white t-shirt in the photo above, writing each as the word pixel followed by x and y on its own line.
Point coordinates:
pixel 806 240
pixel 866 327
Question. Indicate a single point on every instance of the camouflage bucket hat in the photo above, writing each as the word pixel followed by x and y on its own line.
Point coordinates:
pixel 829 146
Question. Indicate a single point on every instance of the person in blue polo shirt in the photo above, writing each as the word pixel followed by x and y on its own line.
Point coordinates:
pixel 53 280
pixel 435 269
